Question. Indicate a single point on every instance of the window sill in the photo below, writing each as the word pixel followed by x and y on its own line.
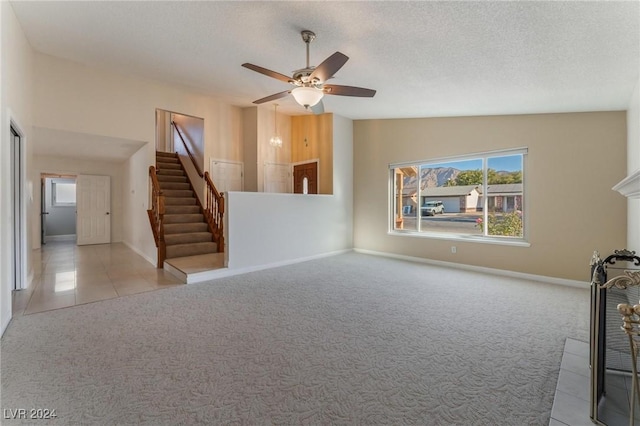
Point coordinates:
pixel 517 242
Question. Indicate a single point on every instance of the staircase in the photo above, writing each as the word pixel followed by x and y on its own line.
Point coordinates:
pixel 186 232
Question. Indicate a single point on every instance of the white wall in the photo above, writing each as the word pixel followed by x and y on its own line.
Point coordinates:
pixel 265 228
pixel 633 165
pixel 15 105
pixel 135 202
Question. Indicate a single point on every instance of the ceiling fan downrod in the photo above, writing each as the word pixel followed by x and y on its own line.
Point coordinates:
pixel 308 37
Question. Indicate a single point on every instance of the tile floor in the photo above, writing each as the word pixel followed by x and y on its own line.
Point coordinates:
pixel 572 400
pixel 66 274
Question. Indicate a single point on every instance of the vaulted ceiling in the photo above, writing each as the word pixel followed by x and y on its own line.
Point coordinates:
pixel 425 59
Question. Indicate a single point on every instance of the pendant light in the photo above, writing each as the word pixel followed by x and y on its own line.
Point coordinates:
pixel 276 140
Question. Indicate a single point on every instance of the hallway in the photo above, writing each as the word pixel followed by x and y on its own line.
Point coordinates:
pixel 66 275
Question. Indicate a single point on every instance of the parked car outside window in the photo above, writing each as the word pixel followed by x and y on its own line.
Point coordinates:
pixel 431 208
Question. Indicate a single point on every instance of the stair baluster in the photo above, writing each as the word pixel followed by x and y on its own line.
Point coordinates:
pixel 214 211
pixel 156 215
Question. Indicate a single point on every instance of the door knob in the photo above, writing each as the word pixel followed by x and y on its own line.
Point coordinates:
pixel 107 212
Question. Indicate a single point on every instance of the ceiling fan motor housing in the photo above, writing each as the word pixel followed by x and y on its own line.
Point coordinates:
pixel 301 77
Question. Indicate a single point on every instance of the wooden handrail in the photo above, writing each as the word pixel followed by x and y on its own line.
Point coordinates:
pixel 156 215
pixel 193 159
pixel 214 211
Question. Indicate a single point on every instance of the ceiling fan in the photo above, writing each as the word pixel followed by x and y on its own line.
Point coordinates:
pixel 310 82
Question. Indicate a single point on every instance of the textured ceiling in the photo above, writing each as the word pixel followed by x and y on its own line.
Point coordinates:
pixel 425 59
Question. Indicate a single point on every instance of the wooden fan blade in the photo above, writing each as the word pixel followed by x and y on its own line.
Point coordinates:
pixel 332 89
pixel 267 72
pixel 318 108
pixel 272 97
pixel 329 67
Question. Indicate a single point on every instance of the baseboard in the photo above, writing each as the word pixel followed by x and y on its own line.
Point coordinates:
pixel 5 324
pixel 135 249
pixel 68 237
pixel 483 269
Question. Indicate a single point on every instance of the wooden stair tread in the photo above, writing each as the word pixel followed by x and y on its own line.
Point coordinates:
pixel 183 218
pixel 183 228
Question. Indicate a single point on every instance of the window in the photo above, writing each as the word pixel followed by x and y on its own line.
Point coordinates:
pixel 63 192
pixel 479 196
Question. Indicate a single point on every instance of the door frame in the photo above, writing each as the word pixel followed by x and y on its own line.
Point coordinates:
pixel 19 203
pixel 43 206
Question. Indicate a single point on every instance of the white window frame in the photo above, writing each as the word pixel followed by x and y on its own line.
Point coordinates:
pixel 54 192
pixel 487 239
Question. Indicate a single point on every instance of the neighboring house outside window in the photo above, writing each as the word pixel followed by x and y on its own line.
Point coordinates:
pixel 505 197
pixel 479 196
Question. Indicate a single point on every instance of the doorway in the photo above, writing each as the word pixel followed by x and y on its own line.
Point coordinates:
pixel 58 213
pixel 75 207
pixel 305 178
pixel 18 197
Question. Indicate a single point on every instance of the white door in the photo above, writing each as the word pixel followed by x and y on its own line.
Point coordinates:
pixel 277 177
pixel 227 175
pixel 93 200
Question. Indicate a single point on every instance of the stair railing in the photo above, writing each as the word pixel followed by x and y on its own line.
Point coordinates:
pixel 214 211
pixel 186 147
pixel 156 216
pixel 214 201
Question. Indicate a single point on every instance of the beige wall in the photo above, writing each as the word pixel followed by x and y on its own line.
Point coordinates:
pixel 16 59
pixel 250 148
pixel 576 158
pixel 192 131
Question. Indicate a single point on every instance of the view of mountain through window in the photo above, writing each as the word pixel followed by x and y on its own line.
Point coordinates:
pixel 481 196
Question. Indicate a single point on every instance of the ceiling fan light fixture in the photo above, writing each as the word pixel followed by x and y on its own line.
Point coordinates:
pixel 307 96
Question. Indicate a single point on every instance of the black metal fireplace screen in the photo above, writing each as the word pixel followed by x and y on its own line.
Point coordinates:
pixel 610 355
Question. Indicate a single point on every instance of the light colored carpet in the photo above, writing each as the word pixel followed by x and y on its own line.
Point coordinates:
pixel 350 339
